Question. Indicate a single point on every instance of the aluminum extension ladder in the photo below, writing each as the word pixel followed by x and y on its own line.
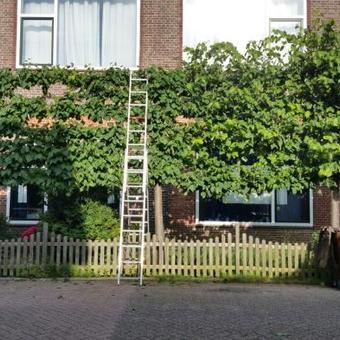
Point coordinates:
pixel 134 198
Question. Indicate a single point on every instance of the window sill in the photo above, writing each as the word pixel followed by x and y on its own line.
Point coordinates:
pixel 23 223
pixel 95 68
pixel 254 224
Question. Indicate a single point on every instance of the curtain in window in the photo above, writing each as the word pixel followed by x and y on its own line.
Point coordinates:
pixel 36 45
pixel 286 8
pixel 79 32
pixel 97 32
pixel 37 6
pixel 119 32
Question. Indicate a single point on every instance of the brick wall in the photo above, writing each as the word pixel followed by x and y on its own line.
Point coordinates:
pixel 8 10
pixel 161 33
pixel 327 9
pixel 3 194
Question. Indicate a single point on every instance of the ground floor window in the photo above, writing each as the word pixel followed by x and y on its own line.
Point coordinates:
pixel 26 203
pixel 277 207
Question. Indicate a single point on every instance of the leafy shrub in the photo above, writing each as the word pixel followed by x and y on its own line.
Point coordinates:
pixel 81 217
pixel 99 220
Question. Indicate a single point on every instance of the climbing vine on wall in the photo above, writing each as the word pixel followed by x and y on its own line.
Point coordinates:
pixel 222 122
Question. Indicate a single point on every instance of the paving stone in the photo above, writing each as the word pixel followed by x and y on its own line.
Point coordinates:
pixel 103 310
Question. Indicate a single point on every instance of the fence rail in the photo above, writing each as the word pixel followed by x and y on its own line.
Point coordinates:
pixel 229 255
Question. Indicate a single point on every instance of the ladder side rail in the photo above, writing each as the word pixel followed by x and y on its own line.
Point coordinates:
pixel 120 250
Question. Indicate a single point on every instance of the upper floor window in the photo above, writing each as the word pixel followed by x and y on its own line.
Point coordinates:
pixel 239 21
pixel 98 33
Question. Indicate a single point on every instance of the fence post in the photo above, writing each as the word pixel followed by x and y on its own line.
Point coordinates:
pixel 237 248
pixel 44 243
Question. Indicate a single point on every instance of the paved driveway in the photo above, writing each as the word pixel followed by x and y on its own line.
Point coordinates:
pixel 102 310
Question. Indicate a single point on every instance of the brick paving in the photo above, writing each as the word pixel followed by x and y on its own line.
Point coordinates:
pixel 45 309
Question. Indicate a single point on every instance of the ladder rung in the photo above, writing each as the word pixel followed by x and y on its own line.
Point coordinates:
pixel 132 215
pixel 137 104
pixel 135 171
pixel 138 92
pixel 132 231
pixel 136 144
pixel 139 79
pixel 137 131
pixel 135 209
pixel 132 261
pixel 132 245
pixel 134 201
pixel 137 158
pixel 134 186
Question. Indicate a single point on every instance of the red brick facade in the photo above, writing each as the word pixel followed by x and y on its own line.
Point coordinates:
pixel 161 26
pixel 327 9
pixel 3 196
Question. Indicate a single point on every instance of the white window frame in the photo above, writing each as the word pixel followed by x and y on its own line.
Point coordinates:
pixel 298 18
pixel 20 222
pixel 259 224
pixel 54 17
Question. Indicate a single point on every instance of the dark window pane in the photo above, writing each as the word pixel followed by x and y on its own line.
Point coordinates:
pixel 291 207
pixel 257 209
pixel 26 203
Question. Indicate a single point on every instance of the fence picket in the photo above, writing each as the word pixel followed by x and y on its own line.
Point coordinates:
pixel 264 258
pixel 18 257
pixel 211 258
pixel 223 256
pixel 65 250
pixel 276 260
pixel 217 257
pixel 76 252
pixel 204 258
pixel 192 258
pixel 173 257
pixel 5 263
pixel 166 256
pixel 44 244
pixel 296 259
pixel 179 258
pixel 31 250
pixel 198 258
pixel 147 255
pixel 290 263
pixel 58 250
pixel 154 256
pixel 230 255
pixel 37 249
pixel 12 258
pixel 257 256
pixel 185 258
pixel 237 249
pixel 244 254
pixel 52 249
pixel 251 255
pixel 283 260
pixel 71 250
pixel 270 259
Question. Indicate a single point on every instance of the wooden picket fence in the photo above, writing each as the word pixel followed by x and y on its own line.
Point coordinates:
pixel 229 255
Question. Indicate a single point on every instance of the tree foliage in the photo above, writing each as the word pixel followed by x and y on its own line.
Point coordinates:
pixel 265 119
